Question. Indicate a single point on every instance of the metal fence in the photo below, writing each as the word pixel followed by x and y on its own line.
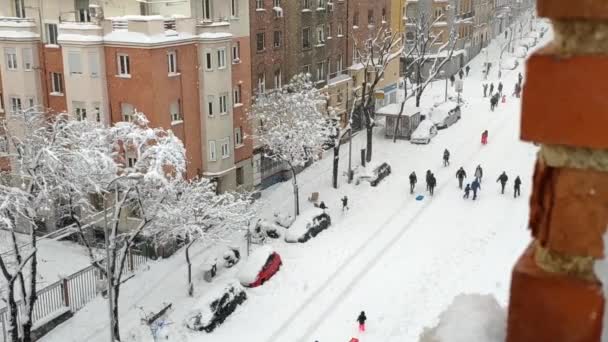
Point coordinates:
pixel 71 293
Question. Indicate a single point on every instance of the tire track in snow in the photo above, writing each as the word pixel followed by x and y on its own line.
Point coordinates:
pixel 498 126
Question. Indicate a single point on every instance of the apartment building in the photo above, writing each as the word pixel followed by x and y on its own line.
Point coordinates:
pixel 185 65
pixel 482 23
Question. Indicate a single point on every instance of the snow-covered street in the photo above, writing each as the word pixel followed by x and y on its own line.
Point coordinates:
pixel 400 260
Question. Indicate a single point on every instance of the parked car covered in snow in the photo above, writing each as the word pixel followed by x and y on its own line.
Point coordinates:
pixel 445 114
pixel 509 63
pixel 265 228
pixel 424 133
pixel 261 265
pixel 308 225
pixel 213 309
pixel 376 175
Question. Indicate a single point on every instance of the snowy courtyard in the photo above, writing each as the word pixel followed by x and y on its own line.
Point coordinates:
pixel 399 259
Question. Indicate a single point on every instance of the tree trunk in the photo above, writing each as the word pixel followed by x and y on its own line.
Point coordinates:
pixel 116 324
pixel 368 155
pixel 189 263
pixel 418 97
pixel 33 295
pixel 334 180
pixel 296 192
pixel 13 331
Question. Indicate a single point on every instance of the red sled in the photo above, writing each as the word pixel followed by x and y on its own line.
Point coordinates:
pixel 354 339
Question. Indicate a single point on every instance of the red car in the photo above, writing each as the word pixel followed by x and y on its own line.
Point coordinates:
pixel 262 264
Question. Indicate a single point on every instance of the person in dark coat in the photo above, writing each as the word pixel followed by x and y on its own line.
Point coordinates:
pixel 491 89
pixel 500 88
pixel 516 187
pixel 485 90
pixel 461 175
pixel 506 34
pixel 344 203
pixel 452 80
pixel 494 101
pixel 467 70
pixel 322 205
pixel 467 189
pixel 432 184
pixel 520 78
pixel 461 74
pixel 475 186
pixel 478 173
pixel 503 181
pixel 517 90
pixel 413 180
pixel 428 178
pixel 361 319
pixel 446 157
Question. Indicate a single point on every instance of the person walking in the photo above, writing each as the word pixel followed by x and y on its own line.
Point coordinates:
pixel 467 190
pixel 428 179
pixel 446 157
pixel 485 90
pixel 520 78
pixel 484 137
pixel 478 173
pixel 500 88
pixel 452 80
pixel 517 90
pixel 475 186
pixel 491 89
pixel 432 184
pixel 344 203
pixel 503 181
pixel 413 180
pixel 460 175
pixel 467 70
pixel 493 102
pixel 361 319
pixel 322 205
pixel 461 74
pixel 516 187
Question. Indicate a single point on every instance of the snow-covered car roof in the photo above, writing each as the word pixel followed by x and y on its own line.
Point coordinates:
pixel 300 226
pixel 439 113
pixel 250 269
pixel 202 307
pixel 509 63
pixel 423 129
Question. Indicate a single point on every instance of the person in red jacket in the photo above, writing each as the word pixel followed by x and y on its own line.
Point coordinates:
pixel 484 137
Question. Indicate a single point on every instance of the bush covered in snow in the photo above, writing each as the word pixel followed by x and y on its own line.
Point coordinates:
pixel 216 306
pixel 470 318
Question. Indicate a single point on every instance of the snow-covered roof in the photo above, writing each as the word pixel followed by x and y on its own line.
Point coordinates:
pixel 17 28
pixel 122 36
pixel 73 37
pixel 338 79
pixel 393 109
pixel 138 17
pixel 79 26
pixel 11 34
pixel 215 35
pixel 250 269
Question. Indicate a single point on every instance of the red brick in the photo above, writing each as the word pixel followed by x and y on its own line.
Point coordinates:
pixel 569 9
pixel 551 307
pixel 564 100
pixel 570 210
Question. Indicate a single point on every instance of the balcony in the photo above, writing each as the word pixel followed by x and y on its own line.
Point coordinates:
pixel 18 29
pixel 213 29
pixel 79 32
pixel 146 30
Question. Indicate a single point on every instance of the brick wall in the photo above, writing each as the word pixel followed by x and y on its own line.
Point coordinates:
pixel 52 61
pixel 555 294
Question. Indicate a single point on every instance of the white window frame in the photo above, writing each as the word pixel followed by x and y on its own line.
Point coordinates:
pixel 259 4
pixel 210 105
pixel 80 110
pixel 236 53
pixel 208 60
pixel 238 136
pixel 15 104
pixel 10 54
pixel 278 79
pixel 263 35
pixel 51 33
pixel 221 58
pixel 225 147
pixel 237 92
pixel 31 102
pixel 212 150
pixel 123 64
pixel 131 162
pixel 320 71
pixel 75 62
pixel 234 8
pixel 223 102
pixel 172 62
pixel 340 34
pixel 97 111
pixel 306 4
pixel 262 83
pixel 275 43
pixel 207 9
pixel 56 83
pixel 28 59
pixel 320 34
pixel 127 115
pixel 175 111
pixel 93 57
pixel 339 64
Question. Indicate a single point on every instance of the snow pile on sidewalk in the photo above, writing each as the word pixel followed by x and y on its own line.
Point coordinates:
pixel 469 318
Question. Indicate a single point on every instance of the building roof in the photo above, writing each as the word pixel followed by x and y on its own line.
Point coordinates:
pixel 393 109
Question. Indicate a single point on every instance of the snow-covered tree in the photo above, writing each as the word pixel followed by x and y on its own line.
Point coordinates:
pixel 194 212
pixel 51 156
pixel 373 54
pixel 292 127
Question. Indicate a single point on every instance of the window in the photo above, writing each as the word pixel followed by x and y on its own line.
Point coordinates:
pixel 437 13
pixel 306 4
pixel 74 62
pixel 370 17
pixel 236 52
pixel 259 39
pixel 127 111
pixel 221 58
pixel 339 64
pixel 306 38
pixel 82 11
pixel 238 136
pixel 306 69
pixel 15 104
pixel 224 104
pixel 124 68
pixel 339 97
pixel 1 103
pixel 208 64
pixel 276 3
pixel 30 102
pixel 259 4
pixel 56 83
pixel 277 79
pixel 356 19
pixel 212 155
pixel 329 30
pixel 320 34
pixel 234 9
pixel 174 111
pixel 340 34
pixel 321 4
pixel 210 100
pixel 320 72
pixel 93 63
pixel 172 62
pixel 237 94
pixel 11 58
pixel 207 10
pixel 51 33
pixel 28 59
pixel 131 161
pixel 19 9
pixel 225 145
pixel 80 110
pixel 240 176
pixel 261 83
pixel 97 111
pixel 278 37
